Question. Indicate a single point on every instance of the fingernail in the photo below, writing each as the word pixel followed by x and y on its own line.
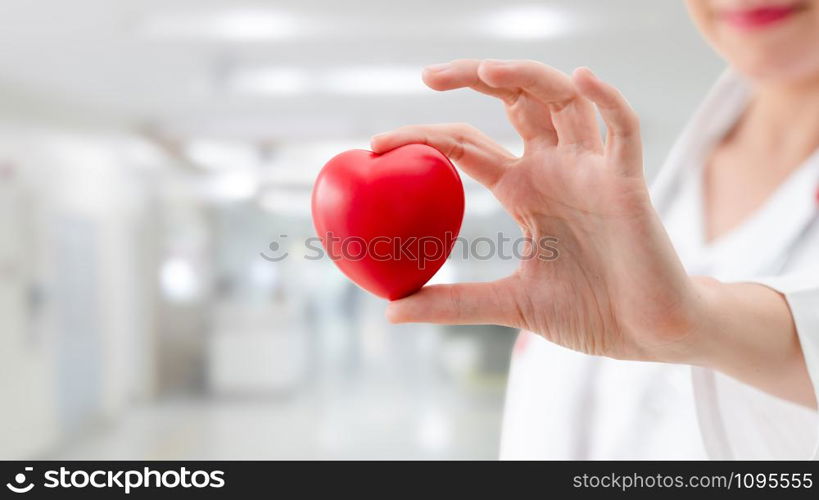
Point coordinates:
pixel 437 68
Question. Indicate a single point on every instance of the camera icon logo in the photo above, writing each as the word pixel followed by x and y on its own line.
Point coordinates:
pixel 20 478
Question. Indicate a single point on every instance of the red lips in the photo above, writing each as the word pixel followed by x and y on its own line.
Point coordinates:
pixel 389 221
pixel 759 17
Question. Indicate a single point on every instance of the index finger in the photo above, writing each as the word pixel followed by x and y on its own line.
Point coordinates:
pixel 479 156
pixel 462 73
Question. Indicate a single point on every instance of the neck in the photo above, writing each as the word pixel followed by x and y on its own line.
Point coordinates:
pixel 782 120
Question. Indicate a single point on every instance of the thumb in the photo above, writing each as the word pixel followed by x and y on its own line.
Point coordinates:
pixel 461 303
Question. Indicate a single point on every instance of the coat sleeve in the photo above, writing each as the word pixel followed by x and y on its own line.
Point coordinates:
pixel 738 421
pixel 802 293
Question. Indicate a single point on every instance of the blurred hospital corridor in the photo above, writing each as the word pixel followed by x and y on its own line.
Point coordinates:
pixel 158 299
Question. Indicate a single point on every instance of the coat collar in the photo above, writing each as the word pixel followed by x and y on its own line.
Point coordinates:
pixel 761 244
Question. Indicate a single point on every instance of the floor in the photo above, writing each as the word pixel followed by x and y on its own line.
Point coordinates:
pixel 368 423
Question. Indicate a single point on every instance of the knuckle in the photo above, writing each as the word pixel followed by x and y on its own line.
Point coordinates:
pixel 464 130
pixel 456 150
pixel 463 60
pixel 406 129
pixel 455 300
pixel 631 122
pixel 532 64
pixel 418 131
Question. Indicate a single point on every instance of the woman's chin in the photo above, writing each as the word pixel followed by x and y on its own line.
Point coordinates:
pixel 775 69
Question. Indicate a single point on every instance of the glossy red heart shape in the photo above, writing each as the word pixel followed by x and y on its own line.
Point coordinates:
pixel 389 221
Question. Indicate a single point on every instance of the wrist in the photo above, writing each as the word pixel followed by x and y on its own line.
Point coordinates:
pixel 706 336
pixel 698 335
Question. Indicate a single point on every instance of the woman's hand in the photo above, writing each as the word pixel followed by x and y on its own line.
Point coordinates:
pixel 617 288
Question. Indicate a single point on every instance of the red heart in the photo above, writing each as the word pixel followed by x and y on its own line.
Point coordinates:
pixel 389 221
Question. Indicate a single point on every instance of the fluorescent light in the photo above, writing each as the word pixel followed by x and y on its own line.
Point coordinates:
pixel 269 81
pixel 375 80
pixel 351 80
pixel 231 185
pixel 179 281
pixel 233 24
pixel 286 202
pixel 217 155
pixel 528 21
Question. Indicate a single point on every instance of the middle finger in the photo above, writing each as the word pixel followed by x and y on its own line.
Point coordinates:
pixel 572 115
pixel 530 117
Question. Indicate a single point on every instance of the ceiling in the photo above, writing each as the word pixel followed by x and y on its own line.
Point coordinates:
pixel 149 63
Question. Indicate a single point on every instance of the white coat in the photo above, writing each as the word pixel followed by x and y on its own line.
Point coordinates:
pixel 561 404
